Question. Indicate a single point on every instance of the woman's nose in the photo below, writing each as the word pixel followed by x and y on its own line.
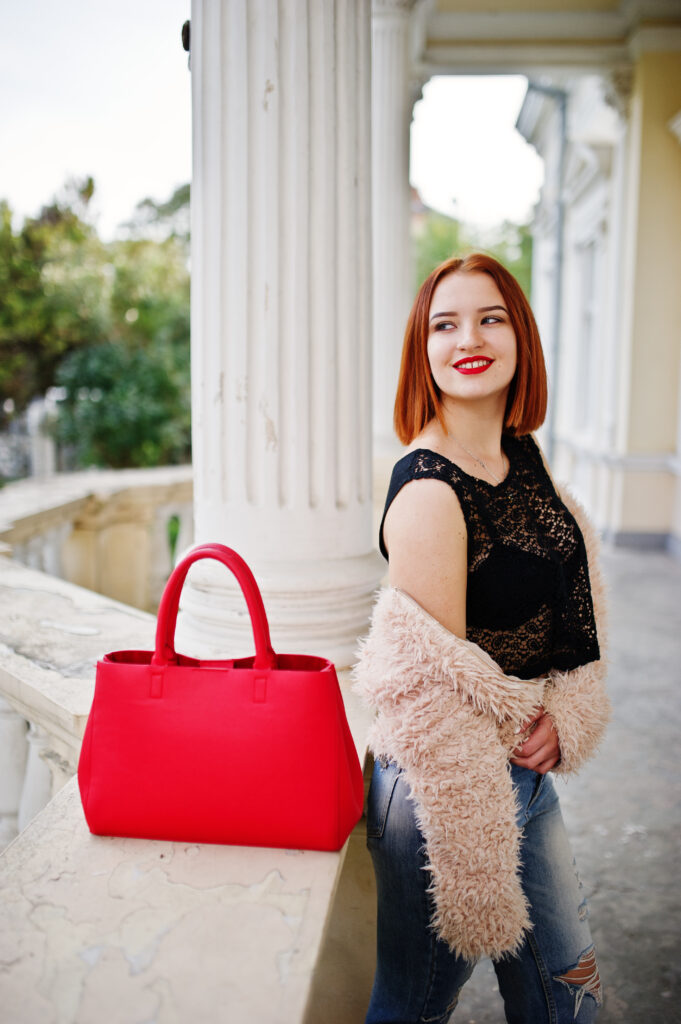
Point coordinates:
pixel 468 336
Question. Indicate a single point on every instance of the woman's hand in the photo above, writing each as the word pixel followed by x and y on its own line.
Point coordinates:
pixel 541 750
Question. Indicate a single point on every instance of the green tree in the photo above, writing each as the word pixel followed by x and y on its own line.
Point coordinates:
pixel 511 244
pixel 123 406
pixel 439 237
pixel 127 403
pixel 107 322
pixel 159 220
pixel 53 292
pixel 150 292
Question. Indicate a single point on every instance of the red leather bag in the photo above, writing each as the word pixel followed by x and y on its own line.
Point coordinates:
pixel 253 751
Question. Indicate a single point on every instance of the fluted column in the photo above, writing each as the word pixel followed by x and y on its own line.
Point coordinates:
pixel 281 319
pixel 391 118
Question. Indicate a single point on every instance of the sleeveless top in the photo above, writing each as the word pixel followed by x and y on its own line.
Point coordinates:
pixel 528 596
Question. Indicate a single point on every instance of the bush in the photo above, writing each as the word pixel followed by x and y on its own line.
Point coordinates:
pixel 124 407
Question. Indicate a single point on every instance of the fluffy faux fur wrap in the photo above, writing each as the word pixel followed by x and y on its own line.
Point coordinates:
pixel 447 715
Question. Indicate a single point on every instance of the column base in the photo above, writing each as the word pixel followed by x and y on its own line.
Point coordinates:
pixel 320 608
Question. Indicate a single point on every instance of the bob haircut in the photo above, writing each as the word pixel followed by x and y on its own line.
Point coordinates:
pixel 418 397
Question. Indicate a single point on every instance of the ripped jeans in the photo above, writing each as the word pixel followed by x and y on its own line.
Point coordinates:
pixel 552 980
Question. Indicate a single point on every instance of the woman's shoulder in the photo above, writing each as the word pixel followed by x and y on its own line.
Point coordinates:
pixel 431 469
pixel 426 503
pixel 421 462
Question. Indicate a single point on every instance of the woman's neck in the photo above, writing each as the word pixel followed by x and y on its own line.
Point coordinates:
pixel 475 431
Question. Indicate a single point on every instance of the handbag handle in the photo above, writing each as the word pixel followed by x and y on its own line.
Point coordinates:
pixel 170 602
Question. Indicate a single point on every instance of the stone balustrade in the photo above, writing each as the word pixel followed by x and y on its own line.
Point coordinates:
pixel 151 930
pixel 107 530
pixel 51 634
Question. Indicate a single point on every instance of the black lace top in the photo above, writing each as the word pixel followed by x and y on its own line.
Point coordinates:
pixel 528 598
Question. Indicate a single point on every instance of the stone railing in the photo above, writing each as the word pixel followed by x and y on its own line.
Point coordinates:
pixel 163 931
pixel 110 531
pixel 51 634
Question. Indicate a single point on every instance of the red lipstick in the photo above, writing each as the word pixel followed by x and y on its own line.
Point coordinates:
pixel 473 365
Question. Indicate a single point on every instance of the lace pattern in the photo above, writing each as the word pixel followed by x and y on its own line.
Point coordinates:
pixel 528 601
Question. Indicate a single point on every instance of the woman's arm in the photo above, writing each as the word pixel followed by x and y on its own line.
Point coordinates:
pixel 425 534
pixel 558 739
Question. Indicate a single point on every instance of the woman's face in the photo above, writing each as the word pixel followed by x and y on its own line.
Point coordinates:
pixel 471 343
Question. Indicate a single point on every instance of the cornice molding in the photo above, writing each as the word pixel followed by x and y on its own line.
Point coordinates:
pixel 523 26
pixel 571 26
pixel 501 57
pixel 655 39
pixel 513 41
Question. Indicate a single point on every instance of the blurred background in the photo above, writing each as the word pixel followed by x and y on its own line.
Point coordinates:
pixel 95 165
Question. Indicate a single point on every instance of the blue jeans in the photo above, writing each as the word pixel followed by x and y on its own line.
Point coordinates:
pixel 554 977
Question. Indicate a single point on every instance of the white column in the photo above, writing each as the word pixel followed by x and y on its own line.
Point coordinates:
pixel 391 105
pixel 281 320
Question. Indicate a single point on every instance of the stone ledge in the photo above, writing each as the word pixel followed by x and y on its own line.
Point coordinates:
pixel 152 930
pixel 51 634
pixel 30 499
pixel 161 931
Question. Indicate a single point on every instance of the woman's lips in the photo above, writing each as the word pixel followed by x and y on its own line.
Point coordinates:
pixel 468 366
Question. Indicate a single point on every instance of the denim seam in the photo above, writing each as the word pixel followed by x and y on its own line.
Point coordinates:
pixel 539 786
pixel 545 979
pixel 440 1018
pixel 376 832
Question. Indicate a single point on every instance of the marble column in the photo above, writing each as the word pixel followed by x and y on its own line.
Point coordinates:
pixel 391 104
pixel 281 321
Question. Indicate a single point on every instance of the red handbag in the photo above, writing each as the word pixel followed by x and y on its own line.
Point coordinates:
pixel 253 751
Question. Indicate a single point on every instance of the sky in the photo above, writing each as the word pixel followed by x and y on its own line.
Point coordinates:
pixel 102 88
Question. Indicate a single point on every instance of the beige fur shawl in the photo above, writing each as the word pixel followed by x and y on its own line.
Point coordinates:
pixel 447 714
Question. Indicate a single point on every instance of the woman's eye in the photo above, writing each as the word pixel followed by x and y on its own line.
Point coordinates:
pixel 492 320
pixel 443 325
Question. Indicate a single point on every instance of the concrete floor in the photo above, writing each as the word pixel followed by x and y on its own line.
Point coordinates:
pixel 624 816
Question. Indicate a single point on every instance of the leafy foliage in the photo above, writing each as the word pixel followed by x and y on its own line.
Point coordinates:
pixel 169 219
pixel 106 322
pixel 53 294
pixel 438 237
pixel 123 406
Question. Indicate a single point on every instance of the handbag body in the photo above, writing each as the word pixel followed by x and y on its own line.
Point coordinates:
pixel 252 751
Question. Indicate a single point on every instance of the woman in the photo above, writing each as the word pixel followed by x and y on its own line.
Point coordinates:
pixel 484 665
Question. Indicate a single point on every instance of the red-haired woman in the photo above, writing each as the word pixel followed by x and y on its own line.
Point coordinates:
pixel 484 665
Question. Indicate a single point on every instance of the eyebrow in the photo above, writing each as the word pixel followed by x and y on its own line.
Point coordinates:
pixel 482 309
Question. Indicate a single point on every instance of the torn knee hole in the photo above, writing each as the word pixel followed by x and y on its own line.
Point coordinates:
pixel 583 978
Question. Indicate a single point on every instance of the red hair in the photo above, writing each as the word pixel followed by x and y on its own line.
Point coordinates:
pixel 418 397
